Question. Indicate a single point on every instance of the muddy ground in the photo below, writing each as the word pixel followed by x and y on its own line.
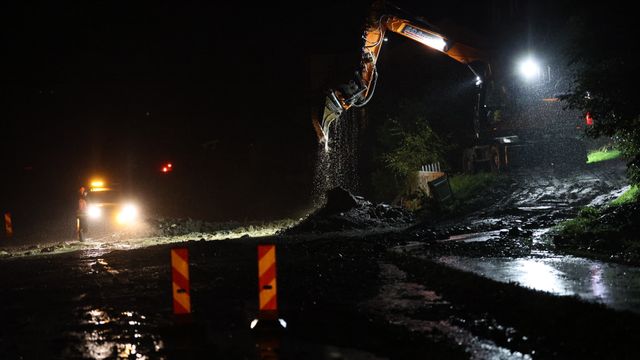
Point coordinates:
pixel 353 293
pixel 611 234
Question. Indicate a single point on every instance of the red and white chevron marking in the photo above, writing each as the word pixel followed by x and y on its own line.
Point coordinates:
pixel 180 279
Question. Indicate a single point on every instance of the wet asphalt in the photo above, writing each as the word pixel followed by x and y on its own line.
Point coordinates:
pixel 486 286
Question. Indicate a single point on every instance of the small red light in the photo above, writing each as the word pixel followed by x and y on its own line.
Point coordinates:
pixel 164 169
pixel 588 119
pixel 169 165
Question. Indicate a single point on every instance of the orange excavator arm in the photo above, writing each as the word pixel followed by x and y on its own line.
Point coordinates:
pixel 359 91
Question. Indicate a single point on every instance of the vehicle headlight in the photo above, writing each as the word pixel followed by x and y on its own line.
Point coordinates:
pixel 128 214
pixel 94 211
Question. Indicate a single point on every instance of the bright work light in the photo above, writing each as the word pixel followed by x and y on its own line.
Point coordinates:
pixel 530 69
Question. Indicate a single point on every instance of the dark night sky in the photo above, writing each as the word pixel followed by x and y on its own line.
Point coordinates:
pixel 120 86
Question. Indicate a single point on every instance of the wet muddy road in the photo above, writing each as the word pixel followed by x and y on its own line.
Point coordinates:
pixel 488 286
pixel 510 241
pixel 614 285
pixel 342 298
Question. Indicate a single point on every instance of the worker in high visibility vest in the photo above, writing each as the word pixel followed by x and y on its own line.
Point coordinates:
pixel 81 222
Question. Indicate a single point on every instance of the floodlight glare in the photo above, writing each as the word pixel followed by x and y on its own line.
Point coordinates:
pixel 530 69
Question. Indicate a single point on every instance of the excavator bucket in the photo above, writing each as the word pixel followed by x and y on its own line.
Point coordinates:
pixel 317 127
pixel 331 112
pixel 322 128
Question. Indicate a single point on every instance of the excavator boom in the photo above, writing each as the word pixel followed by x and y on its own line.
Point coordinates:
pixel 359 91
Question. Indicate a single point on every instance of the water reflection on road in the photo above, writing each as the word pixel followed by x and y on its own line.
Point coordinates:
pixel 105 334
pixel 617 286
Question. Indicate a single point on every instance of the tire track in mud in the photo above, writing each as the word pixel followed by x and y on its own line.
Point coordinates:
pixel 562 187
pixel 538 200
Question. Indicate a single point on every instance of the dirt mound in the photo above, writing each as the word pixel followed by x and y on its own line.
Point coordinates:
pixel 345 211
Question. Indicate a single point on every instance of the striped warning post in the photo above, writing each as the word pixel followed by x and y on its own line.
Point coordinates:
pixel 180 278
pixel 267 288
pixel 8 226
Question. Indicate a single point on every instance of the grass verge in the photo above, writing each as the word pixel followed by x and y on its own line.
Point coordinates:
pixel 467 186
pixel 627 197
pixel 473 191
pixel 608 233
pixel 602 155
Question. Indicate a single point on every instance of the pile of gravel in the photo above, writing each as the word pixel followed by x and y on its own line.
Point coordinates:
pixel 345 211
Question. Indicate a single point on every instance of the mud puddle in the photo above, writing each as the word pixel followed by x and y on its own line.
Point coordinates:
pixel 106 334
pixel 476 237
pixel 614 285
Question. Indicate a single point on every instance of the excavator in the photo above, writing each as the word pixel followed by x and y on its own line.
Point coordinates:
pixel 359 91
pixel 498 144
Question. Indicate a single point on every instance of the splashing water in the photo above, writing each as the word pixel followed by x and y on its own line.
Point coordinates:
pixel 338 166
